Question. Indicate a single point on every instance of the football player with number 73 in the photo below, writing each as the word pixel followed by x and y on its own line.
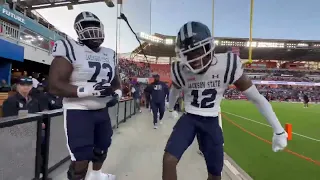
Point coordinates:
pixel 86 75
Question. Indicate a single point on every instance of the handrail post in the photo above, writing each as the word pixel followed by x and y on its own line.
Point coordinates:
pixel 46 148
pixel 130 108
pixel 134 107
pixel 117 115
pixel 125 111
pixel 38 159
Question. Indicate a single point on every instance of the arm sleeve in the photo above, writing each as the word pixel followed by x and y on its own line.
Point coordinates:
pixel 64 49
pixel 264 107
pixel 9 108
pixel 176 74
pixel 173 97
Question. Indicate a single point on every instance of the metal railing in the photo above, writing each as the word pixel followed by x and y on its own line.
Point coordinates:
pixel 28 150
pixel 9 30
pixel 13 32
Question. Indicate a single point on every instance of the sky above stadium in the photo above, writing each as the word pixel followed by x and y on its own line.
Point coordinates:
pixel 276 19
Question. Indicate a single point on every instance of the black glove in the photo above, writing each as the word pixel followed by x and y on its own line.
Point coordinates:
pixel 104 88
pixel 114 100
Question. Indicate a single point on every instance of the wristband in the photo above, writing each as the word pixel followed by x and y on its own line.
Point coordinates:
pixel 82 92
pixel 119 92
pixel 278 134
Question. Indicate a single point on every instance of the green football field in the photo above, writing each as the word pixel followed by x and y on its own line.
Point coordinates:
pixel 245 132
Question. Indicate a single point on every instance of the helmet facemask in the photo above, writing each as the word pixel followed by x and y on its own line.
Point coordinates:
pixel 196 57
pixel 90 32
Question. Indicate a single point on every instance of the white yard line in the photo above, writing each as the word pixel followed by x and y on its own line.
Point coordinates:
pixel 307 137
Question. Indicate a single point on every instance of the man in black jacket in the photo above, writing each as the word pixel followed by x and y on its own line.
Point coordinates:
pixel 159 92
pixel 22 100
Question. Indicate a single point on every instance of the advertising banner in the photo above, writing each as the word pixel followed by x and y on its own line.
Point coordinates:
pixel 26 22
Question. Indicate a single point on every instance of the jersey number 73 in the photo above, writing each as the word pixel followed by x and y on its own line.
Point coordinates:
pixel 98 66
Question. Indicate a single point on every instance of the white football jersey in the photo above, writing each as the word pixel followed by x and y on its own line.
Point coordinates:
pixel 203 92
pixel 89 67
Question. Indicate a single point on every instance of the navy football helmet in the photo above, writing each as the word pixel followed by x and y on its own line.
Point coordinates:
pixel 195 46
pixel 90 29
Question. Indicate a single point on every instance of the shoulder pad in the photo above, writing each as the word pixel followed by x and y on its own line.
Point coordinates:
pixel 233 68
pixel 176 74
pixel 64 48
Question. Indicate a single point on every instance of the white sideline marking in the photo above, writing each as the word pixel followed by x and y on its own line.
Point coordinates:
pixel 232 169
pixel 307 137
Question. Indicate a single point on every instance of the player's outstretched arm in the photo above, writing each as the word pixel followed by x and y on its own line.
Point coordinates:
pixel 245 85
pixel 173 95
pixel 59 75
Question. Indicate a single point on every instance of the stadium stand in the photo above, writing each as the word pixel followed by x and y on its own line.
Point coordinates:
pixel 283 69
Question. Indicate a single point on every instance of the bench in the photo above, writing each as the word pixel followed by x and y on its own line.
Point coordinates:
pixel 3 97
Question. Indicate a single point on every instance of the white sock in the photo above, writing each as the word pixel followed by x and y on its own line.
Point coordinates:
pixel 96 172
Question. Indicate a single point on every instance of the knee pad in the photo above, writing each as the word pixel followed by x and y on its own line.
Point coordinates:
pixel 77 171
pixel 99 155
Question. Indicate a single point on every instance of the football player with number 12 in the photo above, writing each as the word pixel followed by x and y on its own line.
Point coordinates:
pixel 204 76
pixel 86 75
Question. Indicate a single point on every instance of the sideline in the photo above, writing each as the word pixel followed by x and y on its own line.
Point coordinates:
pixel 268 142
pixel 242 117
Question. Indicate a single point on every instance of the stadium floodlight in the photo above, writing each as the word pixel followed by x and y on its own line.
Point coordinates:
pixel 271 44
pixel 302 45
pixel 168 41
pixel 151 38
pixel 109 3
pixel 70 7
pixel 253 44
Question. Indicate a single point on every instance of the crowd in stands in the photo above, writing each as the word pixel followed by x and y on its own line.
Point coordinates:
pixel 143 70
pixel 129 69
pixel 286 78
pixel 281 93
pixel 275 92
pixel 284 75
pixel 134 69
pixel 283 71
